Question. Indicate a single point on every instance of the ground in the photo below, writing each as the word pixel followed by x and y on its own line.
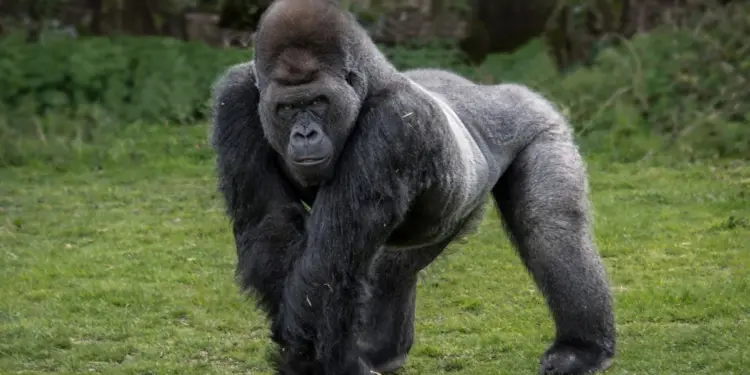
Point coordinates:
pixel 120 262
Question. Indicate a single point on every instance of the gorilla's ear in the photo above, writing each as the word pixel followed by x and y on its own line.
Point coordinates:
pixel 350 78
pixel 357 82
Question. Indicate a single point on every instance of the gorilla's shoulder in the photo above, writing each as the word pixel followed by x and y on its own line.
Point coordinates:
pixel 234 99
pixel 236 75
pixel 390 96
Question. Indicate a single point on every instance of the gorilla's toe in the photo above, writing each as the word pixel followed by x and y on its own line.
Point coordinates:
pixel 563 359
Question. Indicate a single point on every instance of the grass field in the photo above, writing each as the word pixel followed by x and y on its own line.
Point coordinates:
pixel 121 262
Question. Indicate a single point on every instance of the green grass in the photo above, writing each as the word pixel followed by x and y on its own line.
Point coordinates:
pixel 120 262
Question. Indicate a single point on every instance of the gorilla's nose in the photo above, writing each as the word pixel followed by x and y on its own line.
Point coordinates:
pixel 306 136
pixel 309 144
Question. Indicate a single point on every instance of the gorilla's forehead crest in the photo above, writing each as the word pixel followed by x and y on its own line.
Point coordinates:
pixel 295 66
pixel 317 26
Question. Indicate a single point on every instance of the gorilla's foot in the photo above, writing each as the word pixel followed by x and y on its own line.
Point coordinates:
pixel 382 361
pixel 566 359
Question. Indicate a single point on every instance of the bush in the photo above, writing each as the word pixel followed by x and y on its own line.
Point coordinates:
pixel 434 54
pixel 149 79
pixel 685 89
pixel 61 93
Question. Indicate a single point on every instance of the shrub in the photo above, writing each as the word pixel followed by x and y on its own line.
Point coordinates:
pixel 146 78
pixel 60 93
pixel 684 89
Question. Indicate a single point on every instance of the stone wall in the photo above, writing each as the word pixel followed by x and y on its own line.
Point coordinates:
pixel 402 20
pixel 411 22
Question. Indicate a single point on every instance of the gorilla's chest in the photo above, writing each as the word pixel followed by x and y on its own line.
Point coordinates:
pixel 430 222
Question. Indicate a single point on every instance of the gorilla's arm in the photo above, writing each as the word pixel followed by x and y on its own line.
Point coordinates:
pixel 352 217
pixel 267 217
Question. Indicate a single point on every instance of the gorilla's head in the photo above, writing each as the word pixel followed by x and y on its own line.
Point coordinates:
pixel 310 92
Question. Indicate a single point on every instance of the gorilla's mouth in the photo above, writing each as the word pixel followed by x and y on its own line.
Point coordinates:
pixel 311 162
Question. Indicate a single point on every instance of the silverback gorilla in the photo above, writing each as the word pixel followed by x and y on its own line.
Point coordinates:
pixel 394 166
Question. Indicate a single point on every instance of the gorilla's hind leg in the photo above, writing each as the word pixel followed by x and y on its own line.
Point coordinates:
pixel 543 201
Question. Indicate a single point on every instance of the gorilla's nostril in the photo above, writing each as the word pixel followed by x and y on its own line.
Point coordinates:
pixel 306 136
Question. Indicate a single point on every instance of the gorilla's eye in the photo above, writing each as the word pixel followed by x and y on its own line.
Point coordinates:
pixel 284 107
pixel 318 101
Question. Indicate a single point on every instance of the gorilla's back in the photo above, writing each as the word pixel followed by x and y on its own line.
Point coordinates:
pixel 434 79
pixel 502 118
pixel 464 96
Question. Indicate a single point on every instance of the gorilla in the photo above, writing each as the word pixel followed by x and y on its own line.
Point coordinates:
pixel 343 178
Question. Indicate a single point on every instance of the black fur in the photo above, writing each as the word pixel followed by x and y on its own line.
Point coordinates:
pixel 338 283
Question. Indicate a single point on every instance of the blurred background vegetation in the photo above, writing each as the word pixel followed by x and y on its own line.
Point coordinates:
pixel 637 78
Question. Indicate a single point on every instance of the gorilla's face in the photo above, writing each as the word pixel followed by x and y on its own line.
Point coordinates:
pixel 307 111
